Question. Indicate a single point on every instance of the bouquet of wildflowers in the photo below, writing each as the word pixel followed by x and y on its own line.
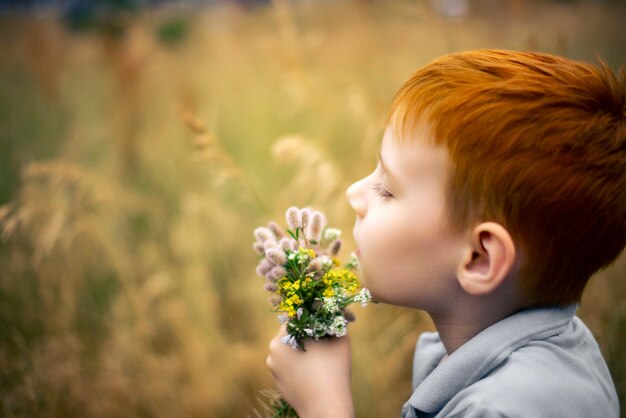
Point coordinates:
pixel 304 277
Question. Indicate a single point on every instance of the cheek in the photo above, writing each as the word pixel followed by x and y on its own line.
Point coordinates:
pixel 400 236
pixel 397 252
pixel 385 250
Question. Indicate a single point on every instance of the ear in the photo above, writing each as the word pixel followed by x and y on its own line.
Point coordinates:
pixel 489 259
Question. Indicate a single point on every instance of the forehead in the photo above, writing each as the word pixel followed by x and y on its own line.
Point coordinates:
pixel 414 157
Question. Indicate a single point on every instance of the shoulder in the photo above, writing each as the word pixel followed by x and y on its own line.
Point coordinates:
pixel 564 375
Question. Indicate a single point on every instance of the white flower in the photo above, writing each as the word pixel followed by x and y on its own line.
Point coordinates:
pixel 340 292
pixel 338 327
pixel 326 262
pixel 331 305
pixel 319 328
pixel 302 257
pixel 308 331
pixel 353 262
pixel 331 234
pixel 289 340
pixel 282 319
pixel 364 296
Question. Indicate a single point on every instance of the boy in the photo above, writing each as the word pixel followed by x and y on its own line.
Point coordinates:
pixel 500 189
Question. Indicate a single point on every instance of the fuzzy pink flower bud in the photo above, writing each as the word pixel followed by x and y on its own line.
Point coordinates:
pixel 318 275
pixel 263 267
pixel 293 218
pixel 314 266
pixel 276 230
pixel 275 300
pixel 270 287
pixel 316 226
pixel 271 244
pixel 288 244
pixel 276 273
pixel 258 247
pixel 262 234
pixel 335 247
pixel 305 217
pixel 276 256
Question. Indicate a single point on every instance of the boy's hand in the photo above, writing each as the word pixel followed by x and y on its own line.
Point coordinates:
pixel 316 383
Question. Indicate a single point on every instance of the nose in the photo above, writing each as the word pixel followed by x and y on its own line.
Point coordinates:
pixel 357 198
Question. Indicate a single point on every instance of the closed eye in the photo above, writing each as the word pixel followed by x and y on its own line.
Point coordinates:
pixel 380 190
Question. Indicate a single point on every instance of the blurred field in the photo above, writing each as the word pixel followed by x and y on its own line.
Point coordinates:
pixel 137 156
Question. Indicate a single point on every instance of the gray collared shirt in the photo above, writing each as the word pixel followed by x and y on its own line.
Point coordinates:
pixel 540 362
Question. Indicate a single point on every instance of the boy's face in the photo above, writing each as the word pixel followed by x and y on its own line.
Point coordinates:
pixel 408 254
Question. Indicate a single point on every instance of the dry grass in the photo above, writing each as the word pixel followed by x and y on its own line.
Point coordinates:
pixel 127 285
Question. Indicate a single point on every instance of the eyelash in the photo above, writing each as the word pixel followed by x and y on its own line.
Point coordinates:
pixel 381 191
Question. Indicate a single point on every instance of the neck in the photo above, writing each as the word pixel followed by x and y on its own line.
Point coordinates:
pixel 466 320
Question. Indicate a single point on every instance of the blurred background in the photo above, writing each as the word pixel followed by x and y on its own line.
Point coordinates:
pixel 142 141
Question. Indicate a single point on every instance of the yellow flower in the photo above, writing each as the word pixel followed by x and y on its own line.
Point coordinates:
pixel 328 292
pixel 287 307
pixel 294 300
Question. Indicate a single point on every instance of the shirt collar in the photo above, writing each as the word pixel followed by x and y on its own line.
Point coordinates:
pixel 470 362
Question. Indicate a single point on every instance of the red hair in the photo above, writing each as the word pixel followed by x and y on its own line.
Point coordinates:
pixel 537 144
